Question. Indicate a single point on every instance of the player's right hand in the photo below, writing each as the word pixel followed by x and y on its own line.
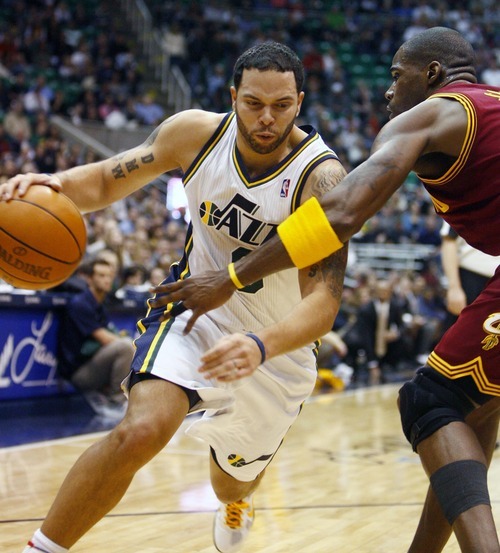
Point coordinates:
pixel 19 184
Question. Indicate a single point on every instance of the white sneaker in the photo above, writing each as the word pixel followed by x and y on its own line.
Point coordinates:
pixel 232 523
pixel 104 407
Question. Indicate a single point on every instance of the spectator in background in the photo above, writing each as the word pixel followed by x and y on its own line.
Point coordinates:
pixel 6 143
pixel 491 73
pixel 217 88
pixel 17 124
pixel 466 270
pixel 92 355
pixel 377 333
pixel 429 232
pixel 112 258
pixel 39 97
pixel 111 238
pixel 175 44
pixel 412 221
pixel 147 111
pixel 428 318
pixel 134 284
pixel 156 275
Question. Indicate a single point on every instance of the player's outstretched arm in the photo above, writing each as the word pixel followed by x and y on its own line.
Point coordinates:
pixel 318 228
pixel 210 290
pixel 93 186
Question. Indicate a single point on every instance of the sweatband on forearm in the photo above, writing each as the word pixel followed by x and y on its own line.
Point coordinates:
pixel 307 234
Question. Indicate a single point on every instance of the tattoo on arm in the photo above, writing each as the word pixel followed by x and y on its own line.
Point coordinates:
pixel 152 137
pixel 131 165
pixel 327 178
pixel 332 270
pixel 118 172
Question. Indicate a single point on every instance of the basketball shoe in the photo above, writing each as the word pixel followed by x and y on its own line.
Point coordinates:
pixel 232 523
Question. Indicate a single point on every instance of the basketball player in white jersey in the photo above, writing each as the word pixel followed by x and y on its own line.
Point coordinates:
pixel 244 173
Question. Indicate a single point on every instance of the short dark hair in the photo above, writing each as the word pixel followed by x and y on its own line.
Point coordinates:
pixel 269 56
pixel 441 44
pixel 87 268
pixel 133 270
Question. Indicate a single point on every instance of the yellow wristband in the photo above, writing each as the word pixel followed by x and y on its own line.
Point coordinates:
pixel 307 234
pixel 234 277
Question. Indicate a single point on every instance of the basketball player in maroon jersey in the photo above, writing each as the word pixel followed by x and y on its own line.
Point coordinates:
pixel 446 128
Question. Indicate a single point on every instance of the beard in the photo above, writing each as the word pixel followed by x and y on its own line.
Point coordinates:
pixel 258 147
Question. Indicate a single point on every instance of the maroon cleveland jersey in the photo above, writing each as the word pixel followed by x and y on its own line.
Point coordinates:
pixel 467 196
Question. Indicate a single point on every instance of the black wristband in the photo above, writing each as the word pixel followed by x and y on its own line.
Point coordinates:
pixel 258 341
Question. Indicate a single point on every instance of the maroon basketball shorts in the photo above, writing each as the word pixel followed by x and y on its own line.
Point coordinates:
pixel 471 347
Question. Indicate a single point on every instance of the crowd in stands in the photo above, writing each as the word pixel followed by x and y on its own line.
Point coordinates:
pixel 73 59
pixel 78 60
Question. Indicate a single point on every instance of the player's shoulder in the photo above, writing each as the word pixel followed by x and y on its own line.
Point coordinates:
pixel 195 125
pixel 196 121
pixel 324 177
pixel 185 134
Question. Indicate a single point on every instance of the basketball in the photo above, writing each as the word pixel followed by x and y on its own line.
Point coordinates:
pixel 42 238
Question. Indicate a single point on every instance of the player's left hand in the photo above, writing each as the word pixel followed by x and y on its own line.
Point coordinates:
pixel 200 294
pixel 231 358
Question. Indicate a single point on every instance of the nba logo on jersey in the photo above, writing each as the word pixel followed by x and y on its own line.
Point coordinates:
pixel 284 188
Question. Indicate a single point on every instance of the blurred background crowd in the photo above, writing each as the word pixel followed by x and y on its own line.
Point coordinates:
pixel 81 62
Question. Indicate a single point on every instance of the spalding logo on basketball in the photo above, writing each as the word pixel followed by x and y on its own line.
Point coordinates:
pixel 42 239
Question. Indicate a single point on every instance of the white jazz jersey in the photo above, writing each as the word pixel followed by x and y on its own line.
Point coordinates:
pixel 244 421
pixel 232 214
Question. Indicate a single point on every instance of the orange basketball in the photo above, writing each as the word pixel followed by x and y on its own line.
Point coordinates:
pixel 42 239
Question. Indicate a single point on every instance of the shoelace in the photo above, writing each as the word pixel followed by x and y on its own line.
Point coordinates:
pixel 234 512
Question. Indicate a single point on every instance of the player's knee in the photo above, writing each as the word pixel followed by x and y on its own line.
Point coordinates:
pixel 429 402
pixel 139 436
pixel 460 486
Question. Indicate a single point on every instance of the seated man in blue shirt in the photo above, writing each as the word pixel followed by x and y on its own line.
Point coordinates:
pixel 92 356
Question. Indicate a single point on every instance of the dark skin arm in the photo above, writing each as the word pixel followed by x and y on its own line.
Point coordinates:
pixel 415 136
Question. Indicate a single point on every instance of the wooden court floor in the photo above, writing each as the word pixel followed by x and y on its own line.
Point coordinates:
pixel 345 480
